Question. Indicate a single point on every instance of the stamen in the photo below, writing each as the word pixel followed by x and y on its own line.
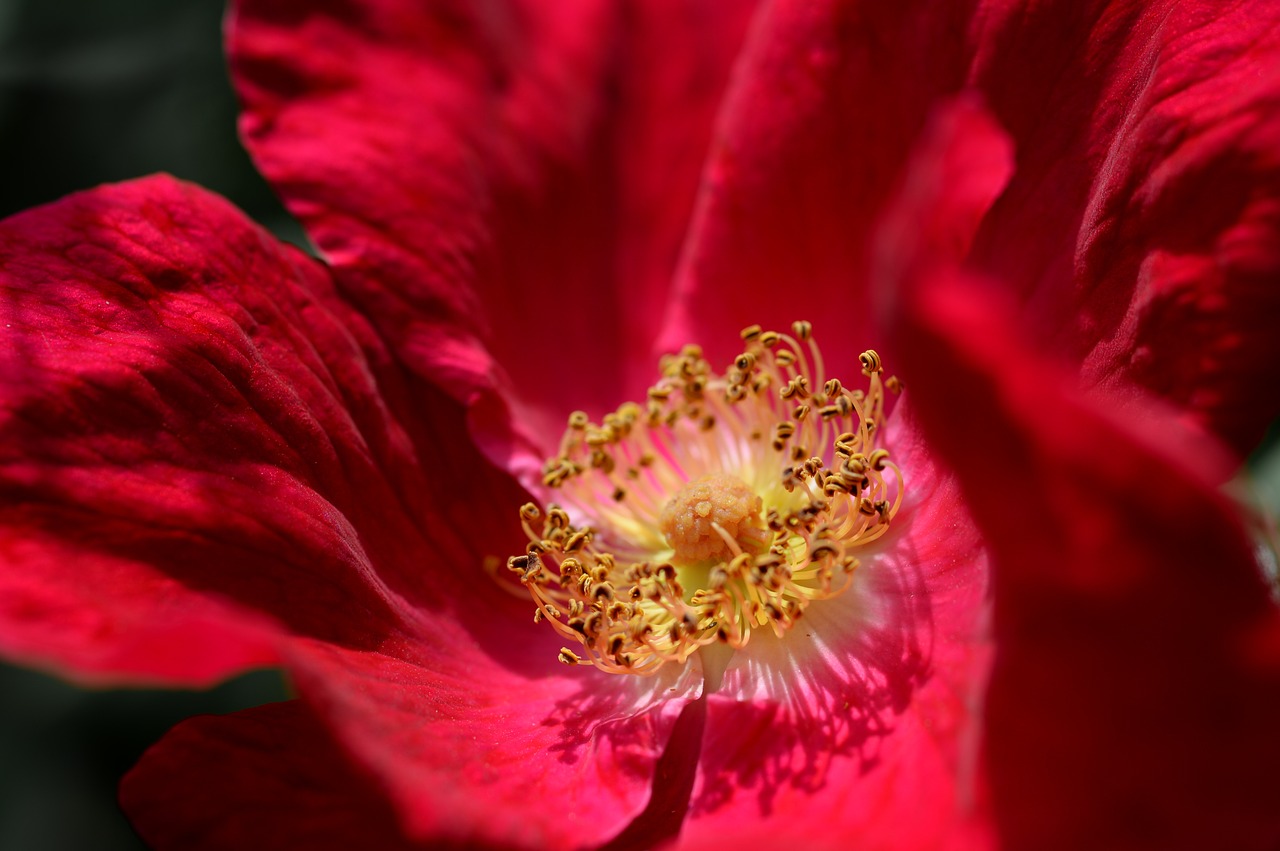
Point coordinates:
pixel 727 503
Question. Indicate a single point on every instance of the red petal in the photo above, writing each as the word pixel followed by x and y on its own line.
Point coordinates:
pixel 1144 222
pixel 473 750
pixel 873 739
pixel 189 422
pixel 503 189
pixel 1142 226
pixel 266 778
pixel 1126 591
pixel 193 423
pixel 1126 707
pixel 825 103
pixel 958 167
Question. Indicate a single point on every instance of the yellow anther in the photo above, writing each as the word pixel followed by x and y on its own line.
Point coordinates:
pixel 823 549
pixel 659 394
pixel 797 387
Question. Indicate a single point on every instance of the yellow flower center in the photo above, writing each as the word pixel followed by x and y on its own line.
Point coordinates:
pixel 728 503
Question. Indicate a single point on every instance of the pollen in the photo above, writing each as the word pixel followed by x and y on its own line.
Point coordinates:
pixel 726 503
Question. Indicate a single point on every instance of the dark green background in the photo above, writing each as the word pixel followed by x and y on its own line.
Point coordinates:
pixel 93 91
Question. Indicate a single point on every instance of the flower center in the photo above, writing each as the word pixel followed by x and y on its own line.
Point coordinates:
pixel 729 502
pixel 714 516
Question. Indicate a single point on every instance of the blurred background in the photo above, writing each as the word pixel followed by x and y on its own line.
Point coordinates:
pixel 93 91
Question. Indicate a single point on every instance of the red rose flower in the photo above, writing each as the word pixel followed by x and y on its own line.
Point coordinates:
pixel 1059 224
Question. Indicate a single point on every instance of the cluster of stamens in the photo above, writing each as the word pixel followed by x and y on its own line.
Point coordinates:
pixel 724 504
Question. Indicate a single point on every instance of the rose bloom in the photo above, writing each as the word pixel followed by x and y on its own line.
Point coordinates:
pixel 916 538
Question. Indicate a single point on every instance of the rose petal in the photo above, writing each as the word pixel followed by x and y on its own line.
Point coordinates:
pixel 191 434
pixel 1127 708
pixel 1097 725
pixel 265 778
pixel 958 168
pixel 1143 226
pixel 502 188
pixel 472 751
pixel 192 419
pixel 824 106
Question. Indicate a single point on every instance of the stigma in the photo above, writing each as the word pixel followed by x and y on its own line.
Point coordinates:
pixel 727 503
pixel 712 517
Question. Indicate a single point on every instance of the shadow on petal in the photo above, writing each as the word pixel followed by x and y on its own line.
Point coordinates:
pixel 828 692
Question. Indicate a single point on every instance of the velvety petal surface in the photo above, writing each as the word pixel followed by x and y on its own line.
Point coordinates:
pixel 1128 701
pixel 527 757
pixel 192 445
pixel 824 107
pixel 265 778
pixel 197 429
pixel 1128 602
pixel 503 187
pixel 1143 227
pixel 200 445
pixel 1132 702
pixel 1140 232
pixel 488 741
